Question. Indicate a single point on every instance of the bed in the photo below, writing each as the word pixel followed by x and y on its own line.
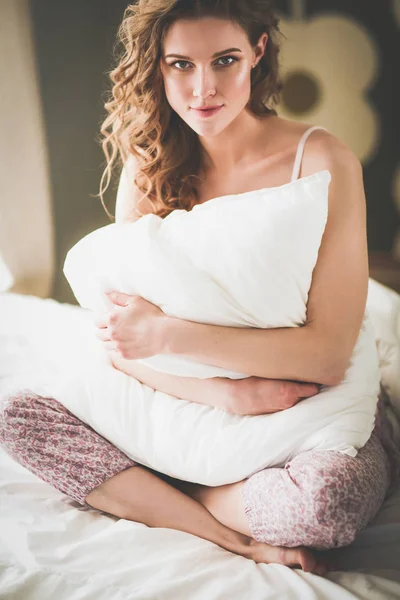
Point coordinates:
pixel 51 548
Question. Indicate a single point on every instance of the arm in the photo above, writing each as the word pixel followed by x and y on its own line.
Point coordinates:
pixel 250 396
pixel 320 350
pixel 212 392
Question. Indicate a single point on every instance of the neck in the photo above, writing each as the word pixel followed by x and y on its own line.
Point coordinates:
pixel 238 145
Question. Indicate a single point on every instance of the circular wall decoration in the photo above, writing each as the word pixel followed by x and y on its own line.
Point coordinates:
pixel 302 91
pixel 328 64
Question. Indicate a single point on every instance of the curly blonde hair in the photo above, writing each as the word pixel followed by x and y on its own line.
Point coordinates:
pixel 140 120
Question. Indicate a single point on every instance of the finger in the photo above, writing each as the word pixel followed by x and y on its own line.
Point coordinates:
pixel 101 320
pixel 110 346
pixel 118 298
pixel 103 335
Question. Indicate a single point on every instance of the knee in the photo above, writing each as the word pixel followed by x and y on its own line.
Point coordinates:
pixel 334 508
pixel 12 407
pixel 315 503
pixel 19 413
pixel 8 405
pixel 333 518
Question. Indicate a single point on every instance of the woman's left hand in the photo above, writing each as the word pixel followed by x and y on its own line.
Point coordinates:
pixel 134 328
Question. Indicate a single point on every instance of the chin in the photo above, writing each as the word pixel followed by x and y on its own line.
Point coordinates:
pixel 210 128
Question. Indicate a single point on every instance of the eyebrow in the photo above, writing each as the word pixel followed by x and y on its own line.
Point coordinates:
pixel 213 56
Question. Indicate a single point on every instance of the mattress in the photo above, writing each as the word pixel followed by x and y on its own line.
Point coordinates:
pixel 51 548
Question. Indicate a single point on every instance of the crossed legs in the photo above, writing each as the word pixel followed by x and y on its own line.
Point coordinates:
pixel 319 500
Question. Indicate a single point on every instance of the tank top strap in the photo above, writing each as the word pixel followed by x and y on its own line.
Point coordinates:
pixel 300 149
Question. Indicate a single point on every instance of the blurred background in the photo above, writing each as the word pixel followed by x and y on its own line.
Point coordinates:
pixel 340 65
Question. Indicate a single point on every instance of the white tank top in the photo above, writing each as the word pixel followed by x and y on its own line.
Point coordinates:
pixel 300 150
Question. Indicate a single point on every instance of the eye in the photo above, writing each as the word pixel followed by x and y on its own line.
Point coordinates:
pixel 177 62
pixel 185 62
pixel 232 58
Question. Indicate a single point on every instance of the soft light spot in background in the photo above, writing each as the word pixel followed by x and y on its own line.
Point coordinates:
pixel 328 63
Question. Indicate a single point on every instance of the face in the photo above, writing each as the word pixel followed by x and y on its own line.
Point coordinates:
pixel 207 63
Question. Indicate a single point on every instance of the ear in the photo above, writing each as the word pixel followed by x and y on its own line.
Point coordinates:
pixel 260 47
pixel 118 298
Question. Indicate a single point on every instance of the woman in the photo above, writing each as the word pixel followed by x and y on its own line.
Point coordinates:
pixel 189 119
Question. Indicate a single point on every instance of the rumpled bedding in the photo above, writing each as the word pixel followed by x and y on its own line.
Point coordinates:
pixel 53 549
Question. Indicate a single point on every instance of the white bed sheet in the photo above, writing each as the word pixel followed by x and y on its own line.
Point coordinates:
pixel 53 549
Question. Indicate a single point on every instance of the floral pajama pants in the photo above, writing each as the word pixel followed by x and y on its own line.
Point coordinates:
pixel 320 499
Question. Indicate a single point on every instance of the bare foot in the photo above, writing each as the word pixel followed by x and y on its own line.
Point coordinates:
pixel 250 548
pixel 291 557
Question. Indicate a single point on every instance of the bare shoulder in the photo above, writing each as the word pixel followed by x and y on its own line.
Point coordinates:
pixel 129 205
pixel 322 150
pixel 326 151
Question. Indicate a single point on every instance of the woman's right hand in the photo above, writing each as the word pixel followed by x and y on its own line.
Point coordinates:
pixel 259 396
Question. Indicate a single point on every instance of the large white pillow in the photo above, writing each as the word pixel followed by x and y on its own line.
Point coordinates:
pixel 242 260
pixel 237 260
pixel 384 309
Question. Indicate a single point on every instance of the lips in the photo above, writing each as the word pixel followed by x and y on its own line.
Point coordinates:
pixel 208 111
pixel 207 107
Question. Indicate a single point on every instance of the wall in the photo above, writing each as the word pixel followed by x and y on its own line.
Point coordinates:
pixel 73 45
pixel 26 224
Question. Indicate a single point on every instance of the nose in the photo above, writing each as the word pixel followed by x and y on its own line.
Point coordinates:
pixel 204 84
